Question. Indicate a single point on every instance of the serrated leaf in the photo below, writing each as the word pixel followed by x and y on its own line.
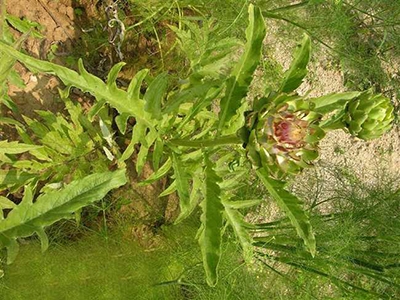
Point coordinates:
pixel 7 101
pixel 135 85
pixel 14 178
pixel 157 153
pixel 238 84
pixel 189 94
pixel 113 75
pixel 332 102
pixel 15 79
pixel 144 150
pixel 242 203
pixel 9 121
pixel 5 203
pixel 212 223
pixel 169 190
pixel 28 218
pixel 15 147
pixel 236 220
pixel 94 110
pixel 292 207
pixel 161 172
pixel 121 121
pixel 87 82
pixel 182 184
pixel 194 199
pixel 298 69
pixel 24 25
pixel 138 135
pixel 155 94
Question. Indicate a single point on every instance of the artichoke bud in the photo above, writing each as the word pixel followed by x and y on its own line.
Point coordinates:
pixel 284 137
pixel 368 116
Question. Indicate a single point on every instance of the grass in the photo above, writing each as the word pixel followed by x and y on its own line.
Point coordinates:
pixel 119 268
pixel 358 239
pixel 362 35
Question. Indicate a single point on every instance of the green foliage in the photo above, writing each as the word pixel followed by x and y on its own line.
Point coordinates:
pixel 211 222
pixel 242 74
pixel 120 267
pixel 31 217
pixel 357 245
pixel 298 69
pixel 293 209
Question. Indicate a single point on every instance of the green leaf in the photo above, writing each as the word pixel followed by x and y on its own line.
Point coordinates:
pixel 241 77
pixel 113 75
pixel 144 150
pixel 298 69
pixel 134 87
pixel 292 206
pixel 138 135
pixel 155 94
pixel 9 121
pixel 182 184
pixel 169 190
pixel 14 178
pixel 161 172
pixel 157 153
pixel 212 223
pixel 15 147
pixel 87 82
pixel 194 199
pixel 5 203
pixel 28 218
pixel 24 25
pixel 242 203
pixel 237 222
pixel 121 121
pixel 334 101
pixel 188 94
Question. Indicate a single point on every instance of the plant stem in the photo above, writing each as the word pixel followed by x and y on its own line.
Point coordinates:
pixel 225 140
pixel 289 7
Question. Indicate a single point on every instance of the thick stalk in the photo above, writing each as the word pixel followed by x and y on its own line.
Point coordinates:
pixel 224 140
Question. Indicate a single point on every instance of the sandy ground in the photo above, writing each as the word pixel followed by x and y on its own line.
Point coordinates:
pixel 339 148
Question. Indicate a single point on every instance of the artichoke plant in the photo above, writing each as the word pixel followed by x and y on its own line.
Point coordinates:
pixel 283 135
pixel 368 116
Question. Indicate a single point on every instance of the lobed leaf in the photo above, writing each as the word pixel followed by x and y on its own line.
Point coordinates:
pixel 235 219
pixel 15 147
pixel 212 222
pixel 87 82
pixel 292 206
pixel 242 75
pixel 28 218
pixel 154 95
pixel 160 173
pixel 298 69
pixel 332 102
pixel 182 184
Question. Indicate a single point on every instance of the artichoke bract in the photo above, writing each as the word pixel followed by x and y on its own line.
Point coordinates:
pixel 368 116
pixel 283 136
